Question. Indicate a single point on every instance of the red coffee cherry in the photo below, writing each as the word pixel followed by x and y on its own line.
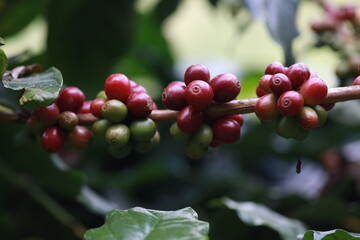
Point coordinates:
pixel 199 94
pixel 259 92
pixel 238 118
pixel 290 103
pixel 139 104
pixel 264 83
pixel 85 108
pixel 95 107
pixel 313 91
pixel 327 106
pixel 70 99
pixel 279 83
pixel 68 120
pixel 266 108
pixel 196 72
pixel 298 73
pixel 189 119
pixel 226 87
pixel 117 86
pixel 225 130
pixel 173 96
pixel 53 139
pixel 357 80
pixel 275 67
pixel 47 115
pixel 80 137
pixel 308 118
pixel 138 89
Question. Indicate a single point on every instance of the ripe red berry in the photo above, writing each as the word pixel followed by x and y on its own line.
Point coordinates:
pixel 138 89
pixel 80 137
pixel 199 94
pixel 279 83
pixel 266 108
pixel 173 96
pixel 53 139
pixel 275 67
pixel 237 117
pixel 85 108
pixel 139 104
pixel 196 72
pixel 226 87
pixel 259 92
pixel 189 119
pixel 298 73
pixel 117 86
pixel 226 130
pixel 290 103
pixel 264 83
pixel 70 99
pixel 327 106
pixel 47 115
pixel 357 80
pixel 313 91
pixel 308 118
pixel 95 107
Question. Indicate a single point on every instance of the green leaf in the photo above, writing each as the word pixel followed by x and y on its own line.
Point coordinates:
pixel 3 61
pixel 256 214
pixel 140 224
pixel 2 42
pixel 330 235
pixel 42 88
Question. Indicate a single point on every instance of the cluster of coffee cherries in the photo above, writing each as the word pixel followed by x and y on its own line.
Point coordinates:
pixel 57 123
pixel 290 99
pixel 122 110
pixel 192 97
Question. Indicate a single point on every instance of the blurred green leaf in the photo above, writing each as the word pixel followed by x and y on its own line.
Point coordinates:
pixel 256 214
pixel 3 61
pixel 42 88
pixel 140 223
pixel 330 235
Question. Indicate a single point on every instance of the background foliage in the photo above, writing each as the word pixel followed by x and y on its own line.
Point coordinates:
pixel 56 196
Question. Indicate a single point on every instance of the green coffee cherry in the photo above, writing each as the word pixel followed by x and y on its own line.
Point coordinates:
pixel 287 127
pixel 177 134
pixel 142 130
pixel 101 94
pixel 301 134
pixel 147 145
pixel 117 135
pixel 114 110
pixel 203 135
pixel 100 126
pixel 321 113
pixel 120 152
pixel 194 150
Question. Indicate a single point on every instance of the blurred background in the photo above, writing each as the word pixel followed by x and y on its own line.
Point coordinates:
pixel 153 42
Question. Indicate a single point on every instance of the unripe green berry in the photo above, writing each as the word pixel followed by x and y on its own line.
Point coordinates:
pixel 287 127
pixel 114 110
pixel 321 113
pixel 194 150
pixel 117 135
pixel 142 129
pixel 177 134
pixel 101 94
pixel 68 120
pixel 99 127
pixel 145 146
pixel 203 135
pixel 120 152
pixel 301 134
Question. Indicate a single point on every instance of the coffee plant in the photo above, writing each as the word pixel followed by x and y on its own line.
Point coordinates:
pixel 111 144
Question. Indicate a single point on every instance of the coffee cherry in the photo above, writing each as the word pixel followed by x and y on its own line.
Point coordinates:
pixel 117 135
pixel 226 130
pixel 199 95
pixel 264 83
pixel 139 104
pixel 279 83
pixel 259 92
pixel 275 67
pixel 327 106
pixel 189 119
pixel 266 108
pixel 138 89
pixel 237 117
pixel 47 115
pixel 308 118
pixel 99 127
pixel 196 72
pixel 101 94
pixel 85 108
pixel 194 150
pixel 70 99
pixel 80 137
pixel 215 143
pixel 114 110
pixel 53 139
pixel 117 86
pixel 290 103
pixel 357 80
pixel 34 125
pixel 96 107
pixel 203 136
pixel 177 134
pixel 313 91
pixel 301 134
pixel 142 129
pixel 287 127
pixel 145 146
pixel 321 113
pixel 226 87
pixel 121 152
pixel 298 73
pixel 173 96
pixel 68 120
